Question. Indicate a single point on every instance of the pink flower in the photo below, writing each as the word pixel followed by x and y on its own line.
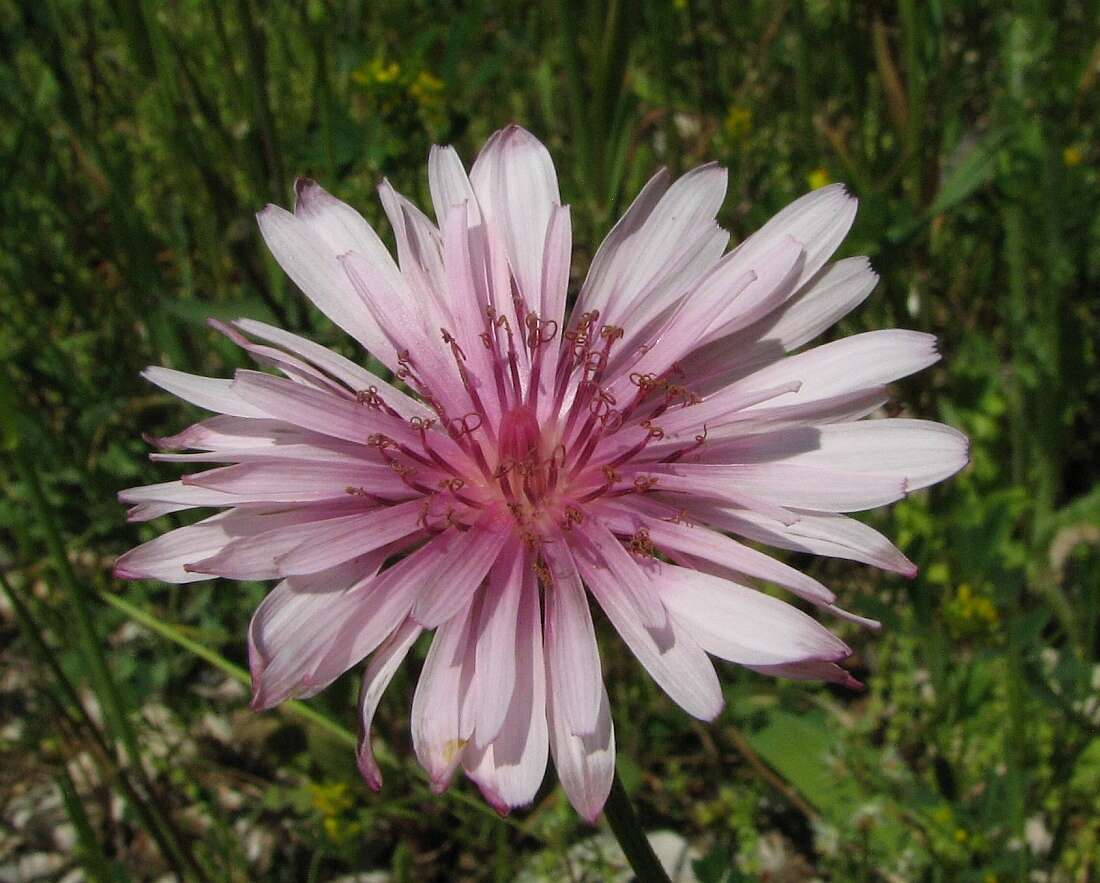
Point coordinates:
pixel 521 456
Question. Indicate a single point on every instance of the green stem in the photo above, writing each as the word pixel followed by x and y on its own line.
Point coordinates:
pixel 627 830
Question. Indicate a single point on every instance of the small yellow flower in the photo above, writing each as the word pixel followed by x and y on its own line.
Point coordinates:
pixel 330 800
pixel 961 836
pixel 818 178
pixel 377 72
pixel 426 89
pixel 738 122
pixel 1073 156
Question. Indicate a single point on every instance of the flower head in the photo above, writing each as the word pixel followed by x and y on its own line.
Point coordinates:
pixel 524 453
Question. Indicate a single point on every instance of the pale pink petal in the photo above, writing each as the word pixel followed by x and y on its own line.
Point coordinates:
pixel 440 732
pixel 919 452
pixel 317 411
pixel 465 560
pixel 607 264
pixel 659 247
pixel 384 605
pixel 784 484
pixel 517 190
pixel 412 328
pixel 235 432
pixel 164 557
pixel 290 366
pixel 601 559
pixel 295 626
pixel 585 764
pixel 450 185
pixel 326 450
pixel 829 297
pixel 178 494
pixel 851 363
pixel 810 671
pixel 211 393
pixel 510 769
pixel 383 665
pixel 312 263
pixel 343 538
pixel 265 555
pixel 571 650
pixel 819 220
pixel 699 542
pixel 837 536
pixel 743 625
pixel 354 377
pixel 496 643
pixel 298 481
pixel 776 275
pixel 341 227
pixel 669 654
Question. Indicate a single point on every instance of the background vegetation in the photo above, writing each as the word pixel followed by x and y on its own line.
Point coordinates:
pixel 139 138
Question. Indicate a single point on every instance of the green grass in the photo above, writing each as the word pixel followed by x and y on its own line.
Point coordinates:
pixel 139 139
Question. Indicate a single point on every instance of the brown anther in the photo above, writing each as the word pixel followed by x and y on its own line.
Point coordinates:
pixel 574 515
pixel 640 544
pixel 530 539
pixel 542 572
pixel 611 333
pixel 680 518
pixel 380 441
pixel 357 491
pixel 450 339
pixel 451 484
pixel 610 475
pixel 369 397
pixel 612 420
pixel 599 408
pixel 643 483
pixel 421 423
pixel 654 432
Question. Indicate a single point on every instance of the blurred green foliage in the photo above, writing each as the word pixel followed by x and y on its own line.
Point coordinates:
pixel 140 137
